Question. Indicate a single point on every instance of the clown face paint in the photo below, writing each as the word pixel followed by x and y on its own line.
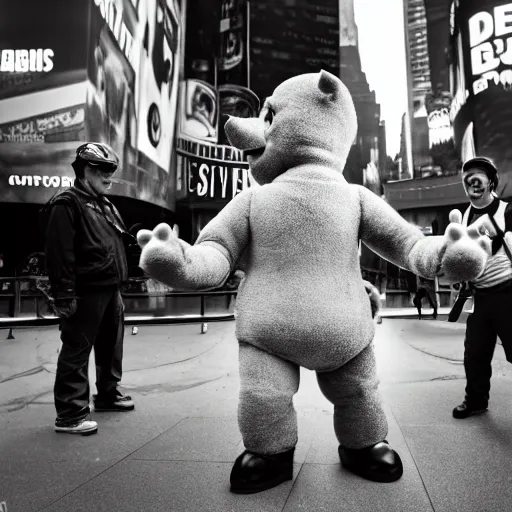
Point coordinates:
pixel 477 186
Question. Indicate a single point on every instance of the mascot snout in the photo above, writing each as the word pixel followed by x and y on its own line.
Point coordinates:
pixel 247 134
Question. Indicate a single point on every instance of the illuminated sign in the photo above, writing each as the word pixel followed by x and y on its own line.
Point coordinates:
pixel 491 49
pixel 232 34
pixel 24 61
pixel 112 13
pixel 482 75
pixel 209 171
pixel 439 125
pixel 38 128
pixel 40 181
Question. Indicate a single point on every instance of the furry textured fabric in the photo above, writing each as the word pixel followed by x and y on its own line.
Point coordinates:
pixel 180 265
pixel 266 416
pixel 302 301
pixel 359 420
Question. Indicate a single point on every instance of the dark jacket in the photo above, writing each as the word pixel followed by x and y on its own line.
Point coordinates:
pixel 84 243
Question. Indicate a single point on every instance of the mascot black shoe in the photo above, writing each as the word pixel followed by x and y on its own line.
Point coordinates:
pixel 379 463
pixel 253 473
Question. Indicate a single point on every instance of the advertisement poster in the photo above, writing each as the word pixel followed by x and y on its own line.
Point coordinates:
pixel 42 94
pixel 215 85
pixel 132 93
pixel 102 70
pixel 485 55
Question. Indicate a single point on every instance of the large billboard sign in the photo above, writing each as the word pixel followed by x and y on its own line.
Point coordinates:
pixel 43 51
pixel 482 107
pixel 490 41
pixel 102 70
pixel 215 85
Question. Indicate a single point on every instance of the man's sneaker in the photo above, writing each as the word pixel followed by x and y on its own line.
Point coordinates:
pixel 83 427
pixel 121 403
pixel 464 410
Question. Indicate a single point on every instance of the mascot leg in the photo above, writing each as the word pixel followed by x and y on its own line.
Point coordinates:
pixel 267 420
pixel 359 420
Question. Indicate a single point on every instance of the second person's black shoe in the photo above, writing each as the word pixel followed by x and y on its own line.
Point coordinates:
pixel 120 403
pixel 464 410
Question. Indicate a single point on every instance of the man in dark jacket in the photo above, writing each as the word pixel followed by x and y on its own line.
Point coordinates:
pixel 86 263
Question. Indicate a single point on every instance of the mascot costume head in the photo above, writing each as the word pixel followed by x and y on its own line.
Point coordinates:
pixel 302 301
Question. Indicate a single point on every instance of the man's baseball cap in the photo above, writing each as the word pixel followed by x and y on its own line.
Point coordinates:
pixel 481 162
pixel 486 165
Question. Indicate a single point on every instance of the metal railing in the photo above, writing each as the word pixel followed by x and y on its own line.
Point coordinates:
pixel 14 292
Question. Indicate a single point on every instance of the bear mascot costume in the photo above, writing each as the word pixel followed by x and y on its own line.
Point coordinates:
pixel 302 301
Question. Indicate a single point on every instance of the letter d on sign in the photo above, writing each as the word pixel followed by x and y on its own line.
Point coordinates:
pixel 481 27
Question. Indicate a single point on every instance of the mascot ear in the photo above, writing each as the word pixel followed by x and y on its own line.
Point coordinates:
pixel 328 84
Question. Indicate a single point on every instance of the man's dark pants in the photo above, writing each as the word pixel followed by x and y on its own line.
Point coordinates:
pixel 492 317
pixel 99 323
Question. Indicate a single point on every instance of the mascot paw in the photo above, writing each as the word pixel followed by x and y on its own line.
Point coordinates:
pixel 162 254
pixel 466 250
pixel 374 295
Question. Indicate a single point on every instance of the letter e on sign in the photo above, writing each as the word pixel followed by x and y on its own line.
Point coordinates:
pixel 503 20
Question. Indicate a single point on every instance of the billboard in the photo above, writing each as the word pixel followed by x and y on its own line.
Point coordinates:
pixel 215 85
pixel 482 35
pixel 42 92
pixel 102 70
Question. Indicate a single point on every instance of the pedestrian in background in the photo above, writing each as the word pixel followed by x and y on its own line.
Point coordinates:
pixel 492 290
pixel 425 289
pixel 87 265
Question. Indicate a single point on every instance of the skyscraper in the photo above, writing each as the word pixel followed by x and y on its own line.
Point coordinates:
pixel 418 76
pixel 417 56
pixel 291 37
pixel 365 151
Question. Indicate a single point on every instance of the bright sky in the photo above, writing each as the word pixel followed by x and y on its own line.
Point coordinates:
pixel 382 50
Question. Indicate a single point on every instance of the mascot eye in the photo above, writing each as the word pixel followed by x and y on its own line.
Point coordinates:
pixel 269 117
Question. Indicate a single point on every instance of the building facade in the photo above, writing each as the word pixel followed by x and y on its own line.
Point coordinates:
pixel 415 154
pixel 364 161
pixel 291 37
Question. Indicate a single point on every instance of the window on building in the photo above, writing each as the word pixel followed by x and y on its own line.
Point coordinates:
pixel 327 19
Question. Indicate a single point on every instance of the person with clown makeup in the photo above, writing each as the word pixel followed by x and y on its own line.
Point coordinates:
pixel 492 290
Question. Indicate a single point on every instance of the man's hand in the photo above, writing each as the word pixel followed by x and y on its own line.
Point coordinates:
pixel 64 308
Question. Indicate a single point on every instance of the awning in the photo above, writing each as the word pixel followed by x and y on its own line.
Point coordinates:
pixel 425 192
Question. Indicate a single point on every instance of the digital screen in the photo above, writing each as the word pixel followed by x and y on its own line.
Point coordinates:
pixel 97 70
pixel 483 35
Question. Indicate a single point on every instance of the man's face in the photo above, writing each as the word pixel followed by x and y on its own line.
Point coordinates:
pixel 99 180
pixel 476 184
